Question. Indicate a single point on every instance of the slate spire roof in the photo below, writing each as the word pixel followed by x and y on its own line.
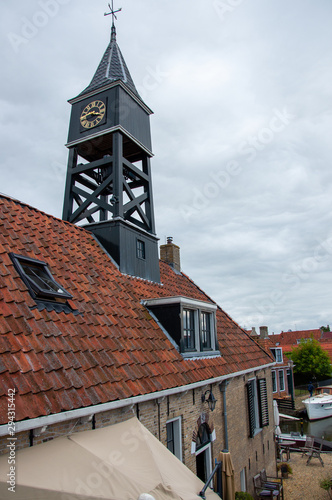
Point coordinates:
pixel 112 67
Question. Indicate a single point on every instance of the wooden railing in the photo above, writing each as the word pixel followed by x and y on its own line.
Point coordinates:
pixel 285 404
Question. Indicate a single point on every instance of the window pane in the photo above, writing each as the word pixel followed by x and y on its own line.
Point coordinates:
pixel 281 380
pixel 39 276
pixel 170 436
pixel 140 249
pixel 189 329
pixel 206 330
pixel 174 439
pixel 274 382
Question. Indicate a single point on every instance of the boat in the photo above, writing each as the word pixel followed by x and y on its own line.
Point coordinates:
pixel 320 405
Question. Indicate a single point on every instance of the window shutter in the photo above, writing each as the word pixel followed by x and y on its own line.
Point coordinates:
pixel 263 404
pixel 251 408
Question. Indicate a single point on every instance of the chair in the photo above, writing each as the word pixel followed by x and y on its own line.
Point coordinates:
pixel 262 491
pixel 272 482
pixel 280 451
pixel 315 453
pixel 309 443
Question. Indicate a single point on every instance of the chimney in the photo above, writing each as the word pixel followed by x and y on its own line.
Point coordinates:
pixel 253 332
pixel 170 254
pixel 263 332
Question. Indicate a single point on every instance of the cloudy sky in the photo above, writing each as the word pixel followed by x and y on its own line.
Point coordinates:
pixel 241 91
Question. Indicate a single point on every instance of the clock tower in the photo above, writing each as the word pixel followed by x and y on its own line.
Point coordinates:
pixel 108 187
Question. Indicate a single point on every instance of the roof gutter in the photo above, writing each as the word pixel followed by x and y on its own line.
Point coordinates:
pixel 25 425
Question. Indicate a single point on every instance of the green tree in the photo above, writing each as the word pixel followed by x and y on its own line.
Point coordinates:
pixel 311 362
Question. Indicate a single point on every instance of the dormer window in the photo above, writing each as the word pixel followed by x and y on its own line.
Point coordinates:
pixel 189 323
pixel 277 353
pixel 39 280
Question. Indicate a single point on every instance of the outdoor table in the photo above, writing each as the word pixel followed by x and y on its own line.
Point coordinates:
pixel 287 445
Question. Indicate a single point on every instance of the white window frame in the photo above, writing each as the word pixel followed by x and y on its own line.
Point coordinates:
pixel 177 436
pixel 277 354
pixel 275 388
pixel 196 336
pixel 208 459
pixel 198 307
pixel 243 480
pixel 211 330
pixel 281 379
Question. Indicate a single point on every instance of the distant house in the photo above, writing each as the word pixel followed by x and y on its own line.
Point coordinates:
pixel 285 342
pixel 95 328
pixel 282 372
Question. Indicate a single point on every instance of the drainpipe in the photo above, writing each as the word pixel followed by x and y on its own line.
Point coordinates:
pixel 222 388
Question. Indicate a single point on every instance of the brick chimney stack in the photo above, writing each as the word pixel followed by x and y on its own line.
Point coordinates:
pixel 170 253
pixel 263 332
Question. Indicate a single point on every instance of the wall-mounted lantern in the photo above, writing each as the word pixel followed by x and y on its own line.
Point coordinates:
pixel 210 400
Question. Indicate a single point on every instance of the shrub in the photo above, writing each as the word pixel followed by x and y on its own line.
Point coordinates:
pixel 243 495
pixel 326 484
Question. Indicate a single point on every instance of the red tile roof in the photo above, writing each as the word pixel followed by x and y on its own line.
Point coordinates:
pixel 113 348
pixel 289 340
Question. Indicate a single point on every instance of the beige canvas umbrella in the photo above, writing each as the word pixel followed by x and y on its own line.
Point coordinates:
pixel 227 476
pixel 118 462
pixel 277 430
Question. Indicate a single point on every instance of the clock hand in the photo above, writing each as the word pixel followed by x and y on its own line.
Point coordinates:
pixel 92 113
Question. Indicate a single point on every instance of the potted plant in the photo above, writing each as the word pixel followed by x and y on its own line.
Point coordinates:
pixel 285 469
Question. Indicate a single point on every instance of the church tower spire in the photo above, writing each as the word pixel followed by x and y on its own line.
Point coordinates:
pixel 108 187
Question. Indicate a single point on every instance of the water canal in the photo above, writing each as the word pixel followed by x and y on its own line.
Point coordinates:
pixel 318 428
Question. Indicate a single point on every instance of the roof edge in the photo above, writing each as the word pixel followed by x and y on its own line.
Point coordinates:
pixel 25 425
pixel 120 83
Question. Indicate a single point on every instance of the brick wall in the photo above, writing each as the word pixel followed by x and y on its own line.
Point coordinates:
pixel 253 454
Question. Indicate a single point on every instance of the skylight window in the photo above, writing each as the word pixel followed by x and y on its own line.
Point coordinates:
pixel 39 280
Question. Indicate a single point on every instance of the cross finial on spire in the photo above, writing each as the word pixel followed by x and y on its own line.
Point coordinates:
pixel 112 12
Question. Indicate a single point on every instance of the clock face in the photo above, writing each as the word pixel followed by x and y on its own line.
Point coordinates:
pixel 92 114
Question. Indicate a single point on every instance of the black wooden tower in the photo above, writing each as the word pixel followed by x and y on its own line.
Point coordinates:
pixel 108 187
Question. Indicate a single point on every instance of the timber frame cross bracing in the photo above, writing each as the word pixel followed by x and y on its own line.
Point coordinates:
pixel 110 187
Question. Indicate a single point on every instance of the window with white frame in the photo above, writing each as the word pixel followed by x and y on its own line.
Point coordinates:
pixel 189 329
pixel 189 322
pixel 274 381
pixel 174 437
pixel 243 481
pixel 281 380
pixel 257 405
pixel 206 329
pixel 277 353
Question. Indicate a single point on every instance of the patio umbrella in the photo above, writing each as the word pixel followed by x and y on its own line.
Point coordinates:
pixel 277 430
pixel 118 462
pixel 227 476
